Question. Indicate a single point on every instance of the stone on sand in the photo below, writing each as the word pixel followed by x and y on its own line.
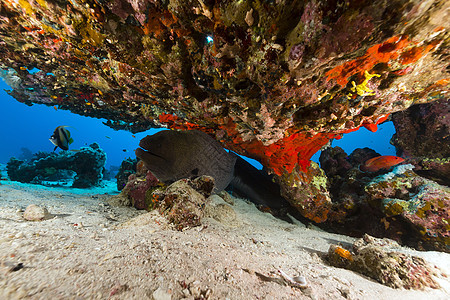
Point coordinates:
pixel 35 213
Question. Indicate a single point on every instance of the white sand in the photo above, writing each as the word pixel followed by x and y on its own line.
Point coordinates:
pixel 90 250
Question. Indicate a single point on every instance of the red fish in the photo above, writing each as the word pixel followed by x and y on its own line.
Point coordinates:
pixel 380 162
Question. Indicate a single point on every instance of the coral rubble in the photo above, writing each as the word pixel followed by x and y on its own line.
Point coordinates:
pixel 273 80
pixel 377 258
pixel 87 163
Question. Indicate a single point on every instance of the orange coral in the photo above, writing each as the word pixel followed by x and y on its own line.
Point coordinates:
pixel 380 53
pixel 391 49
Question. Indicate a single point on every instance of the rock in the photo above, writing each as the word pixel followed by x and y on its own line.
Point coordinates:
pixel 203 184
pixel 36 213
pixel 138 190
pixel 222 212
pixel 127 167
pixel 119 200
pixel 307 191
pixel 182 205
pixel 436 169
pixel 398 204
pixel 423 204
pixel 375 258
pixel 422 135
pixel 423 130
pixel 161 294
pixel 334 161
pixel 182 202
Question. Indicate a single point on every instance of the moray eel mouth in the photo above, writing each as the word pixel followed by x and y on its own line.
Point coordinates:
pixel 142 152
pixel 147 155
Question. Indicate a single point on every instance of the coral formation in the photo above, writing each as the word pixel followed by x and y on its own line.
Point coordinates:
pixel 424 204
pixel 398 204
pixel 422 133
pixel 309 194
pixel 139 189
pixel 127 167
pixel 423 130
pixel 272 80
pixel 183 202
pixel 87 163
pixel 377 258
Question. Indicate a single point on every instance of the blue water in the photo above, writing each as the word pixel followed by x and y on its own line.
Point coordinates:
pixel 32 126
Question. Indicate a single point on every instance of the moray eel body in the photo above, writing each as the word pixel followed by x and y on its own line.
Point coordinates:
pixel 257 186
pixel 172 155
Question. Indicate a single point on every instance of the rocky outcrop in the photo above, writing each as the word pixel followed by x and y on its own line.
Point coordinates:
pixel 182 202
pixel 87 164
pixel 398 204
pixel 378 259
pixel 127 167
pixel 273 80
pixel 423 134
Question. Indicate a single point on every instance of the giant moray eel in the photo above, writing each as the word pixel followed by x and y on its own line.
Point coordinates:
pixel 172 155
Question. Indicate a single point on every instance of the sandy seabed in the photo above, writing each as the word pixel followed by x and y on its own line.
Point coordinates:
pixel 89 249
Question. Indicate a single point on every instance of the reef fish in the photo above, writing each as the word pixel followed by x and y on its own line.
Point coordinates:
pixel 61 138
pixel 380 162
pixel 172 155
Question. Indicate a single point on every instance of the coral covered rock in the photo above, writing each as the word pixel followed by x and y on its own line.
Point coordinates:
pixel 87 163
pixel 377 258
pixel 127 167
pixel 138 188
pixel 184 201
pixel 425 205
pixel 307 191
pixel 423 130
pixel 423 134
pixel 398 204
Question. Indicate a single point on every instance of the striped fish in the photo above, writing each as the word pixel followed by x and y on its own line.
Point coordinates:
pixel 61 138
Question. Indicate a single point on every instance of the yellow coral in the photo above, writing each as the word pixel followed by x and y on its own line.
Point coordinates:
pixel 362 89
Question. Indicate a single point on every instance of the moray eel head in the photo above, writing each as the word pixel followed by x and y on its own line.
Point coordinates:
pixel 155 151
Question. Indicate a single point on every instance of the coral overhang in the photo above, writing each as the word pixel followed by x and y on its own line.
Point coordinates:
pixel 274 80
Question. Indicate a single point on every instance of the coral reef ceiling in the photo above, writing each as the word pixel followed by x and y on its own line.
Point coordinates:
pixel 274 80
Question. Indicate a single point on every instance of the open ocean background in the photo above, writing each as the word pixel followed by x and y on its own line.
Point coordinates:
pixel 30 127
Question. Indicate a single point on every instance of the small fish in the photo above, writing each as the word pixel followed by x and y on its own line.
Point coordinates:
pixel 61 138
pixel 133 135
pixel 124 150
pixel 16 267
pixel 380 162
pixel 55 107
pixel 108 137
